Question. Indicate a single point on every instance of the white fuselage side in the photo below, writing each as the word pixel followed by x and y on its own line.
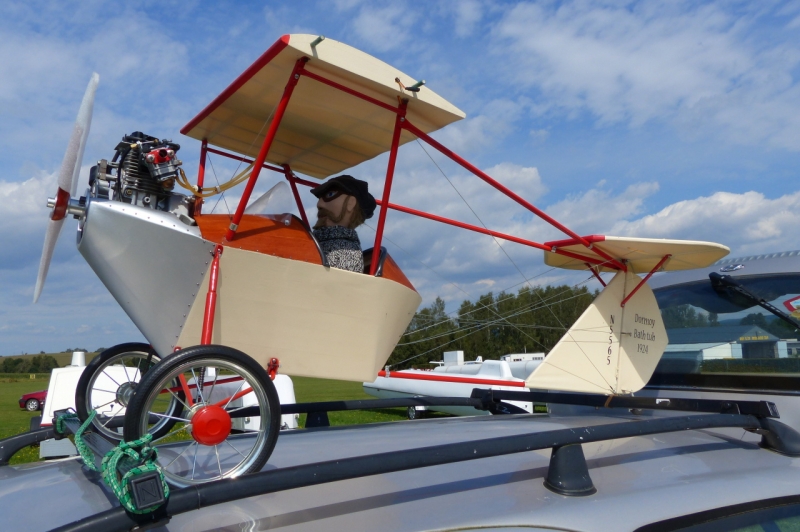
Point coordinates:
pixel 456 380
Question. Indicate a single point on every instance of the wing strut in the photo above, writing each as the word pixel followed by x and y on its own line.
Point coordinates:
pixel 596 274
pixel 638 286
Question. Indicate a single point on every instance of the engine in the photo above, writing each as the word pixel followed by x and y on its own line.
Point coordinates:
pixel 143 173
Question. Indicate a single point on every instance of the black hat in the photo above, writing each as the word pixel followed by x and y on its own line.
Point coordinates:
pixel 353 187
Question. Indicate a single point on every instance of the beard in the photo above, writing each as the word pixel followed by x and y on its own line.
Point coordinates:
pixel 323 215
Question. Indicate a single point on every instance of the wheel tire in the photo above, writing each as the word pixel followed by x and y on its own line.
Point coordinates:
pixel 32 405
pixel 413 413
pixel 199 357
pixel 111 356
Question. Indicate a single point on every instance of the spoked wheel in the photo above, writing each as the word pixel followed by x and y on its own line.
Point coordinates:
pixel 217 383
pixel 107 385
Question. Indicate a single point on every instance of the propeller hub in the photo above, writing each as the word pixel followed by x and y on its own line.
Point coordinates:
pixel 61 208
pixel 59 204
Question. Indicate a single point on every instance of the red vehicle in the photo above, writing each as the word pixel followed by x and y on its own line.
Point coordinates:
pixel 33 401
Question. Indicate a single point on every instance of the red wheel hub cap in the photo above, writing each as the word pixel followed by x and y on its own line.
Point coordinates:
pixel 211 425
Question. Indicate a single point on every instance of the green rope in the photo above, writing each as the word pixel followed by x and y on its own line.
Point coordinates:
pixel 60 422
pixel 86 453
pixel 142 460
pixel 136 456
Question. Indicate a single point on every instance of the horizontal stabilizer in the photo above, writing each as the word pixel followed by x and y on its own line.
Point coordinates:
pixel 639 254
pixel 610 349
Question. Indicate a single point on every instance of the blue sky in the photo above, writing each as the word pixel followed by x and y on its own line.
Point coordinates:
pixel 663 119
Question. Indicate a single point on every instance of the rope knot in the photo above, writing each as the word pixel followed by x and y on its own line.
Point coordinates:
pixel 138 458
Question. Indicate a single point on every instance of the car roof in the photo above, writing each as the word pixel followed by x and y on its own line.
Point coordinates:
pixel 639 480
pixel 742 266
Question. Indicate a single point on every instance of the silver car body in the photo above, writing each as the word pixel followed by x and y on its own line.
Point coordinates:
pixel 639 480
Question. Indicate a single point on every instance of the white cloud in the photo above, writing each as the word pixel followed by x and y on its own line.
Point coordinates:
pixel 699 65
pixel 747 222
pixel 384 28
pixel 468 14
pixel 539 135
pixel 347 4
pixel 598 210
pixel 429 191
pixel 621 63
pixel 22 199
pixel 483 131
pixel 45 64
pixel 24 217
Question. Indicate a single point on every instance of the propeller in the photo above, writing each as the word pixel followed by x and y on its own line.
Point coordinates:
pixel 67 181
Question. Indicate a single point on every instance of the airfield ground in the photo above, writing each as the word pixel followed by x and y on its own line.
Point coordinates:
pixel 14 420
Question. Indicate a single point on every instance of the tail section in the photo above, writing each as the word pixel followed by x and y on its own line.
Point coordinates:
pixel 610 349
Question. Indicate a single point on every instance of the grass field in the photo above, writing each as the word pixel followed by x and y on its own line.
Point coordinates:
pixel 14 420
pixel 309 390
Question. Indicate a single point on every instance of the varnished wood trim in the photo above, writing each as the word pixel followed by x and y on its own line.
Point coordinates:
pixel 266 234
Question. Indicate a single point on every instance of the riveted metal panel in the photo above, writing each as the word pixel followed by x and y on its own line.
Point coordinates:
pixel 150 261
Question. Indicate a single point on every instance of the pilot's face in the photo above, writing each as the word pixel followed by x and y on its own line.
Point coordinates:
pixel 332 208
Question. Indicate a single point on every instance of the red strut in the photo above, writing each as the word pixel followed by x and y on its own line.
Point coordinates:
pixel 211 299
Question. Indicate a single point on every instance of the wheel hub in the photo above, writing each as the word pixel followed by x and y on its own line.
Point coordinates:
pixel 211 425
pixel 125 392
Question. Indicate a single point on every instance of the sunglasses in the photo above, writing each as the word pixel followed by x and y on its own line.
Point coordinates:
pixel 331 195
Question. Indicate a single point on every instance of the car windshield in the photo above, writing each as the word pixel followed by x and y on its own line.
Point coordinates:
pixel 730 326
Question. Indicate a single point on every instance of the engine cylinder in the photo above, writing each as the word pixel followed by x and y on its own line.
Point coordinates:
pixel 136 177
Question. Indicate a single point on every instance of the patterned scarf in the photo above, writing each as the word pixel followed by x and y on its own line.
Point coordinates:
pixel 341 247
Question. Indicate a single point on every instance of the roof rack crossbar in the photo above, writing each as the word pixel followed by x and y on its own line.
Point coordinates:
pixel 760 409
pixel 276 480
pixel 12 445
pixel 495 407
pixel 494 401
pixel 317 416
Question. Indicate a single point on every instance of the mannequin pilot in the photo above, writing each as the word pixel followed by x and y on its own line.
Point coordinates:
pixel 344 203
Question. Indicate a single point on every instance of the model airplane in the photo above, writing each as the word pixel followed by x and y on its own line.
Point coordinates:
pixel 229 296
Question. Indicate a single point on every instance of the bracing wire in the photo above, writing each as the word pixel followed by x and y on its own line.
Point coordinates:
pixel 481 323
pixel 479 220
pixel 461 289
pixel 478 329
pixel 514 263
pixel 222 195
pixel 238 177
pixel 509 296
pixel 253 142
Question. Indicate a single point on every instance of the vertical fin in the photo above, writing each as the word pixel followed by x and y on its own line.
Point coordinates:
pixel 609 349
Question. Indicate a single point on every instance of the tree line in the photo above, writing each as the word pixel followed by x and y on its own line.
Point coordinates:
pixel 36 364
pixel 532 320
